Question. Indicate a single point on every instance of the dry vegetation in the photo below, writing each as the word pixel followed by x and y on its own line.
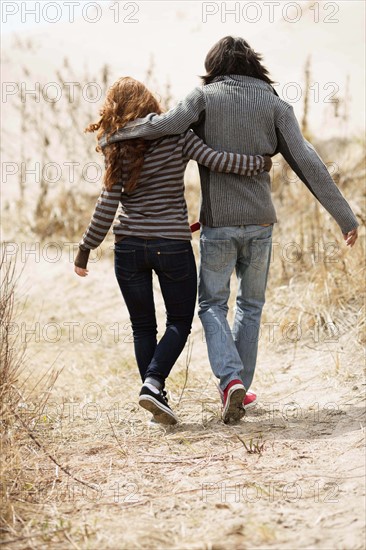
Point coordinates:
pixel 82 469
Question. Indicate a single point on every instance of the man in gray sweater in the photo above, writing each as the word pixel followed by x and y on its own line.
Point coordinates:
pixel 237 108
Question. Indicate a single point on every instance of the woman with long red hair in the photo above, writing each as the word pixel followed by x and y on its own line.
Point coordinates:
pixel 146 178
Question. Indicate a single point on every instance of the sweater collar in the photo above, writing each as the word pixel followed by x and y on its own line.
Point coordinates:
pixel 245 81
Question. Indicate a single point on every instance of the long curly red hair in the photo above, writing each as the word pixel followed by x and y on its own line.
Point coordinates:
pixel 126 100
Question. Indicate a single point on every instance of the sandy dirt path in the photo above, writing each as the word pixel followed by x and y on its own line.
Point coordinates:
pixel 290 475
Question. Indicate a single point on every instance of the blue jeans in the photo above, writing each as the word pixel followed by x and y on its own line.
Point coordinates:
pixel 247 250
pixel 173 262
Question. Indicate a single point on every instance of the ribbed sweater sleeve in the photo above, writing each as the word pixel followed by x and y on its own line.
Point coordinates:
pixel 309 167
pixel 153 126
pixel 194 148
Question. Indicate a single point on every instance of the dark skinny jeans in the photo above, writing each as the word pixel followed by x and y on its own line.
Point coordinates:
pixel 173 262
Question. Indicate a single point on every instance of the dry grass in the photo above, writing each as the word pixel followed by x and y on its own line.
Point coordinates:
pixel 82 467
pixel 187 486
pixel 18 392
pixel 51 132
pixel 319 282
pixel 103 480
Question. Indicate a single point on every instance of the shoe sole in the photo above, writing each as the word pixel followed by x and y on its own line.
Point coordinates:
pixel 234 410
pixel 250 405
pixel 153 424
pixel 161 414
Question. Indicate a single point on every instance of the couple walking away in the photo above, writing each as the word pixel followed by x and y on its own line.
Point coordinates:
pixel 231 125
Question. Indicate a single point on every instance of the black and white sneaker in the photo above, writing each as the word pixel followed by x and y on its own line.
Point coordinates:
pixel 157 404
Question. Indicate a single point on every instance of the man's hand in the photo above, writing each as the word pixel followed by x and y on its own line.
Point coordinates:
pixel 81 272
pixel 351 237
pixel 267 163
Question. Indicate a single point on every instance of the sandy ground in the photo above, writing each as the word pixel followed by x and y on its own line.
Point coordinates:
pixel 290 475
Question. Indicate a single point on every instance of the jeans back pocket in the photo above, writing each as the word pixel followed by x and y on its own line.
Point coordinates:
pixel 216 254
pixel 125 264
pixel 175 264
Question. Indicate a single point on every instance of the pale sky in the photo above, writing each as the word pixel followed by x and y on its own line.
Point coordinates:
pixel 179 34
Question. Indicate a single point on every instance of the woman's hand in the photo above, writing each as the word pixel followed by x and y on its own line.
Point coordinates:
pixel 81 272
pixel 351 237
pixel 267 163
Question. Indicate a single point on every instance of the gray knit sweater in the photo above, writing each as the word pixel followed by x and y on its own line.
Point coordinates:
pixel 236 113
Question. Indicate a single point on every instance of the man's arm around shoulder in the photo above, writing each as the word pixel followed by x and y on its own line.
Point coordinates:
pixel 176 121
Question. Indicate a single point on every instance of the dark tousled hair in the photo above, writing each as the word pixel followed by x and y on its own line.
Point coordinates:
pixel 232 55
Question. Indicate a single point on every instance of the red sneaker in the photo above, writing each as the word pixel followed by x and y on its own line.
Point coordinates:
pixel 234 395
pixel 250 400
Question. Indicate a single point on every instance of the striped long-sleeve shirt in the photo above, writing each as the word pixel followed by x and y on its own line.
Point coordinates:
pixel 157 207
pixel 238 111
